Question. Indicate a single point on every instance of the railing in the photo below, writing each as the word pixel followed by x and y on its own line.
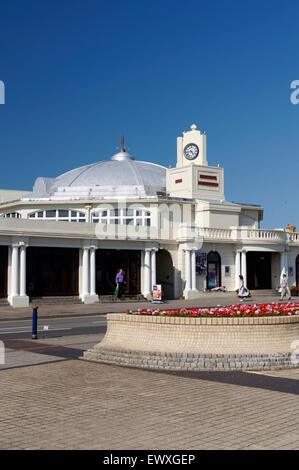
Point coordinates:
pixel 293 237
pixel 178 232
pixel 235 234
pixel 261 234
pixel 215 233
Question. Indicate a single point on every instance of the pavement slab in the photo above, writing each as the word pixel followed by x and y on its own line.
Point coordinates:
pixel 52 400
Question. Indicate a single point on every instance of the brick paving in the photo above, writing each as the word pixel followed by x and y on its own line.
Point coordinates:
pixel 51 400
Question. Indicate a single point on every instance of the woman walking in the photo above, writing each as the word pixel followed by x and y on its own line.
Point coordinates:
pixel 243 291
pixel 285 291
pixel 119 280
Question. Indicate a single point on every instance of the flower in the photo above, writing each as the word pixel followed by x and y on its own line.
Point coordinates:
pixel 270 309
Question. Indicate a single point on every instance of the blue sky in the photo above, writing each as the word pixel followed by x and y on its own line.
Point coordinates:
pixel 81 74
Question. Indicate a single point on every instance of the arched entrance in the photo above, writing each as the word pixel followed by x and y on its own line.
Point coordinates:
pixel 213 270
pixel 297 271
pixel 165 274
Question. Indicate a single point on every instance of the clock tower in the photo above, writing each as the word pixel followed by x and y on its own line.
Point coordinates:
pixel 193 177
pixel 192 147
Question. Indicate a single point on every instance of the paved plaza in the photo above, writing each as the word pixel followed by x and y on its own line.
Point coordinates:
pixel 50 399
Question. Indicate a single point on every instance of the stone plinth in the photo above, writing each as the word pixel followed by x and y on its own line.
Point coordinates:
pixel 184 343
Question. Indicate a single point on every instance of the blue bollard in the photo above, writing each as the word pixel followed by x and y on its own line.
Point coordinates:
pixel 34 322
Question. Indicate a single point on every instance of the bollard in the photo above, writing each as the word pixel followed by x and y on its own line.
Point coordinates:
pixel 34 322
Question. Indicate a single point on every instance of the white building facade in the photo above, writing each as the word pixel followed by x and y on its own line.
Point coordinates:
pixel 173 227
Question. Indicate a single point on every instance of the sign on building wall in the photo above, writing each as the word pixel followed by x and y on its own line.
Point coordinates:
pixel 201 263
pixel 227 270
pixel 157 292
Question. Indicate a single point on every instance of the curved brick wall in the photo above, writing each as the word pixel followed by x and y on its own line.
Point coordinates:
pixel 197 343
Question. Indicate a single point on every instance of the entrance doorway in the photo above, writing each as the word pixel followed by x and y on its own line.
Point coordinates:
pixel 3 270
pixel 165 274
pixel 258 270
pixel 108 262
pixel 52 271
pixel 213 270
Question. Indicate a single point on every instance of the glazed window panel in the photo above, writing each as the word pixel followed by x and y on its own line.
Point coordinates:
pixel 13 215
pixel 63 215
pixel 129 212
pixel 126 216
pixel 51 213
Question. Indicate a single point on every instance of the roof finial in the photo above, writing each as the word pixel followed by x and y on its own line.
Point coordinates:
pixel 122 141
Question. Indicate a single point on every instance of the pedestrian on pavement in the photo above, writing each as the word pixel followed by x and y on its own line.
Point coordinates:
pixel 243 291
pixel 284 287
pixel 119 280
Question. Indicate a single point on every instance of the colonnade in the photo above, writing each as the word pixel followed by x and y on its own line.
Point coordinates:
pixel 17 295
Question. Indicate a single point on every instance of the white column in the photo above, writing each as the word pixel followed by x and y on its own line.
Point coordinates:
pixel 193 269
pixel 92 271
pixel 15 271
pixel 147 273
pixel 23 270
pixel 18 297
pixel 188 270
pixel 153 268
pixel 85 272
pixel 237 268
pixel 244 267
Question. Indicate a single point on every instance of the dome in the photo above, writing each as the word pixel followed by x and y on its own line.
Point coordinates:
pixel 121 176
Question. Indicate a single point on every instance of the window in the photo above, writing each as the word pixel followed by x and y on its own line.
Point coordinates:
pixel 125 216
pixel 13 215
pixel 63 215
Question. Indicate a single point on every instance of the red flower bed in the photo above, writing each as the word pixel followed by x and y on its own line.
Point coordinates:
pixel 239 310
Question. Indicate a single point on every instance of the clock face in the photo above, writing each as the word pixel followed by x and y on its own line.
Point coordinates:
pixel 191 151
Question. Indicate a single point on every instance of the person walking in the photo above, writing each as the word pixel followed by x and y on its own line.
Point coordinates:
pixel 243 291
pixel 285 287
pixel 119 280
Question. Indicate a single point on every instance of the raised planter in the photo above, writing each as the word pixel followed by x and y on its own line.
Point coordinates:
pixel 184 343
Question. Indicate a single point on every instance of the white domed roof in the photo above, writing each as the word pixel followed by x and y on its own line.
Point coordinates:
pixel 122 176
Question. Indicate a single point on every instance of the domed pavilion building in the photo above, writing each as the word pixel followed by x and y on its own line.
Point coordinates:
pixel 167 226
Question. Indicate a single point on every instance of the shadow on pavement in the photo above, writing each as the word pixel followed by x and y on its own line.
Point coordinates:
pixel 38 348
pixel 245 379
